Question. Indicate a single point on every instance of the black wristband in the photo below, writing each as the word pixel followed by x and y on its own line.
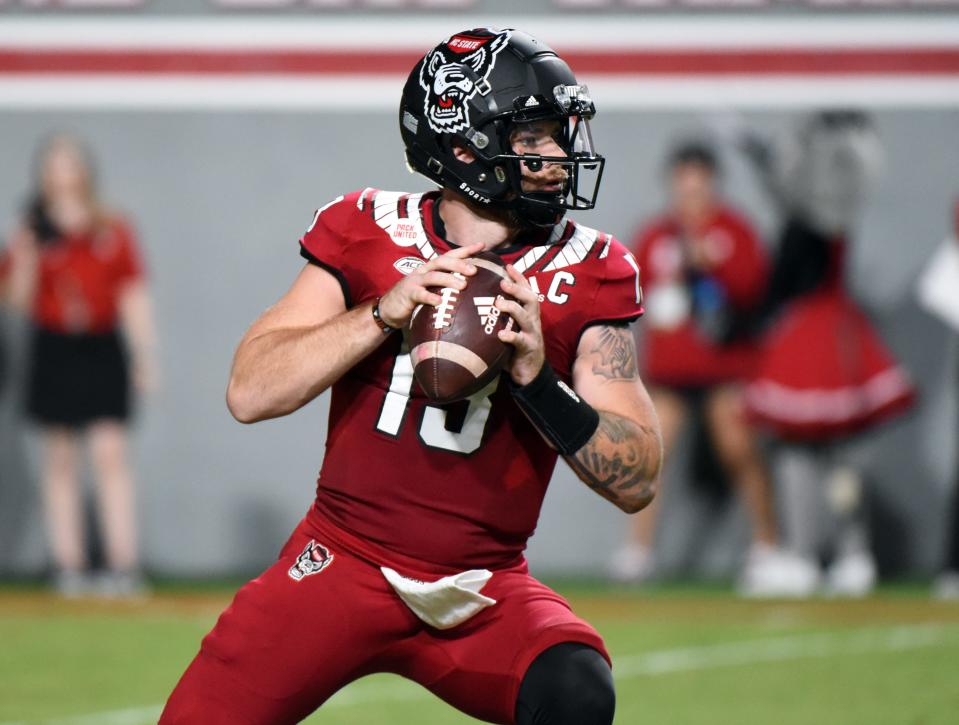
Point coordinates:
pixel 563 417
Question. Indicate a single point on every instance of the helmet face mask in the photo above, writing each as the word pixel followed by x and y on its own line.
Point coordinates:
pixel 581 165
pixel 474 91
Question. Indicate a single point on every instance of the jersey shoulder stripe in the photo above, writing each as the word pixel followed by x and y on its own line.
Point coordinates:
pixel 570 243
pixel 575 250
pixel 398 214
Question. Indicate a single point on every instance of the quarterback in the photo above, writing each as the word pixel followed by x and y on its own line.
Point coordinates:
pixel 410 560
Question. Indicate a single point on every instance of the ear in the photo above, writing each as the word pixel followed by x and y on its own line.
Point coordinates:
pixel 477 61
pixel 434 61
pixel 462 152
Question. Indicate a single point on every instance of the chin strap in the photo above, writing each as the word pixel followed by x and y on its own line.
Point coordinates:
pixel 538 215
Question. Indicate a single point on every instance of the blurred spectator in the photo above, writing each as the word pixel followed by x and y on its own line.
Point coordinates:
pixel 704 270
pixel 939 294
pixel 3 357
pixel 825 374
pixel 74 268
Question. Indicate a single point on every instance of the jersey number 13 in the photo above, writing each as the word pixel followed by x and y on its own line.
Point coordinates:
pixel 433 429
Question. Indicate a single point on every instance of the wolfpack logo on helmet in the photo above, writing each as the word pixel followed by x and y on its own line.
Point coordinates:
pixel 314 559
pixel 450 79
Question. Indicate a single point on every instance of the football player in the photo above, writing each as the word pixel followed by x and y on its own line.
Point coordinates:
pixel 420 507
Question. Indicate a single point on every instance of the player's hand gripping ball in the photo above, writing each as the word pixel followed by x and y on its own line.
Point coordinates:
pixel 455 346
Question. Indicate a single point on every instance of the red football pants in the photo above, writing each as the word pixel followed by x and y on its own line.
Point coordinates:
pixel 283 646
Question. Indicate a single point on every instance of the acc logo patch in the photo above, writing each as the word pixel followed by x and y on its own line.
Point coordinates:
pixel 314 559
pixel 405 265
pixel 447 77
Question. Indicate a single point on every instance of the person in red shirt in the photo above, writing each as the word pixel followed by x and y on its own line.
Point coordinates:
pixel 74 268
pixel 704 271
pixel 410 559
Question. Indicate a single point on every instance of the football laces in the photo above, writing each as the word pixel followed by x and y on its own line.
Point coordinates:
pixel 443 315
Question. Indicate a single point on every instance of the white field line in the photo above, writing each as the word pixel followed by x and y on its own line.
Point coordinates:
pixel 782 649
pixel 646 664
pixel 126 716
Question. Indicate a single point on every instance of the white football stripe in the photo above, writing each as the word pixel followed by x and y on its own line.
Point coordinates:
pixel 451 351
pixel 491 266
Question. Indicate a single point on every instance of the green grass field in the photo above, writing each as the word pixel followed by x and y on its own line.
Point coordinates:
pixel 682 657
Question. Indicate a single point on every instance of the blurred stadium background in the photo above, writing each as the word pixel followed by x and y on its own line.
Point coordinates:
pixel 220 125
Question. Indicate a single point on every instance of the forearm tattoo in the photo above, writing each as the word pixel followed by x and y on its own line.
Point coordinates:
pixel 614 356
pixel 620 462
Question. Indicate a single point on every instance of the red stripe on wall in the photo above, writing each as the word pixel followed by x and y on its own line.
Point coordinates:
pixel 875 61
pixel 772 62
pixel 198 61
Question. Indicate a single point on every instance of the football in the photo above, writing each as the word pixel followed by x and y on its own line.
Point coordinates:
pixel 454 346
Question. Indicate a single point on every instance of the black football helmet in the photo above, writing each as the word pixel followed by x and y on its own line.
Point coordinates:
pixel 471 90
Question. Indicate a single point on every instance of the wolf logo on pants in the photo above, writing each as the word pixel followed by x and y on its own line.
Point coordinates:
pixel 314 559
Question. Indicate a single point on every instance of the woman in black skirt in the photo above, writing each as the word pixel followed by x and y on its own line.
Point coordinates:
pixel 75 270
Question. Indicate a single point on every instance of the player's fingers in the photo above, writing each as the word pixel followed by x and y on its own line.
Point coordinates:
pixel 518 286
pixel 515 276
pixel 523 317
pixel 510 337
pixel 522 341
pixel 436 278
pixel 468 251
pixel 455 260
pixel 449 264
pixel 422 296
pixel 524 294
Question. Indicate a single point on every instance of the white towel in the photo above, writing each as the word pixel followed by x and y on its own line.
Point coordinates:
pixel 938 288
pixel 444 603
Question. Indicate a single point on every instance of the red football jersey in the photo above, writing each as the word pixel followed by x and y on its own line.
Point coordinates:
pixel 675 351
pixel 459 485
pixel 81 276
